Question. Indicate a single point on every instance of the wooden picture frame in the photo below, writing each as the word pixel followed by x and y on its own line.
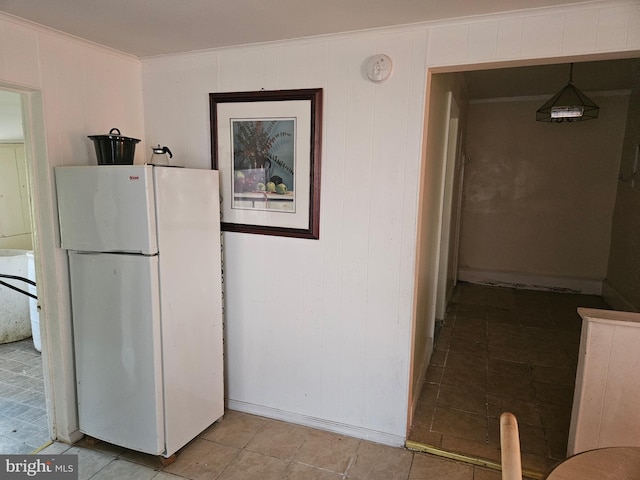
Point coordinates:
pixel 267 147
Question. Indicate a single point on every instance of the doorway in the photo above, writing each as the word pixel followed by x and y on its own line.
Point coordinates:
pixel 475 309
pixel 29 420
pixel 24 422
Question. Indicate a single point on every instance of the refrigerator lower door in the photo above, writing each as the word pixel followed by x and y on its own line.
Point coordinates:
pixel 116 326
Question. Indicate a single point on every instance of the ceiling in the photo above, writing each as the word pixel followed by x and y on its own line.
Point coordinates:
pixel 146 28
pixel 154 27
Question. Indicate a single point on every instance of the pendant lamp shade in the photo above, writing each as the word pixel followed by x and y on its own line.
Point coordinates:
pixel 569 104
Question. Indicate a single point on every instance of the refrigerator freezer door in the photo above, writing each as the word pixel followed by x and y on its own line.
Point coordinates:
pixel 116 327
pixel 107 208
pixel 188 219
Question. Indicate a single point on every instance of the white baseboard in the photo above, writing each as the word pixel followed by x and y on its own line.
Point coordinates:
pixel 319 423
pixel 531 281
pixel 615 299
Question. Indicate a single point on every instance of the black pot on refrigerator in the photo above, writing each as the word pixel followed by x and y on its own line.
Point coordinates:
pixel 114 149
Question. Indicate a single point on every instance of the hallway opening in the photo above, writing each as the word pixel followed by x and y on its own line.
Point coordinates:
pixel 499 348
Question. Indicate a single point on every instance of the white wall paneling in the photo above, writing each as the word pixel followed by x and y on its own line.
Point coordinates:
pixel 319 332
pixel 605 411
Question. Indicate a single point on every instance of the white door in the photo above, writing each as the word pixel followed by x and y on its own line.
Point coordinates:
pixel 116 327
pixel 107 208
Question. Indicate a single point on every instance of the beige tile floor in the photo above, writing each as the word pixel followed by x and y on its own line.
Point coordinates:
pixel 503 349
pixel 247 447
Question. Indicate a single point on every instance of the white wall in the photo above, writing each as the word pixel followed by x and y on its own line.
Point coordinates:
pixel 10 118
pixel 70 89
pixel 539 197
pixel 319 331
pixel 622 288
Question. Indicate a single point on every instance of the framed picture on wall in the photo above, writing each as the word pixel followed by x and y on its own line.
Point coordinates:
pixel 266 146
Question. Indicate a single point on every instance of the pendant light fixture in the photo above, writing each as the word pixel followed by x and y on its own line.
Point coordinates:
pixel 569 104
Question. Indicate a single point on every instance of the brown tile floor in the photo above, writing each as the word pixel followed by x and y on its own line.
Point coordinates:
pixel 247 447
pixel 23 417
pixel 503 349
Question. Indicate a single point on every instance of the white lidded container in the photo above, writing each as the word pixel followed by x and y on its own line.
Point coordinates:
pixel 14 305
pixel 33 303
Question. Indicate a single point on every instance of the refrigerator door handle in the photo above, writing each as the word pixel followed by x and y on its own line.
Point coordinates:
pixel 81 252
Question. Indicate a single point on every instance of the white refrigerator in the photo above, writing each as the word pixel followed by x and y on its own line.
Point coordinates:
pixel 145 271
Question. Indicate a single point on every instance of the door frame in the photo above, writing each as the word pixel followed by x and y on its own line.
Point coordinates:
pixel 448 242
pixel 51 271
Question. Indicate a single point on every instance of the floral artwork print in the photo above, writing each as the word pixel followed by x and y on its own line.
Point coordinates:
pixel 263 164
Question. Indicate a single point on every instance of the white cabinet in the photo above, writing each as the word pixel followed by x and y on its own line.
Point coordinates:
pixel 606 410
pixel 15 218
